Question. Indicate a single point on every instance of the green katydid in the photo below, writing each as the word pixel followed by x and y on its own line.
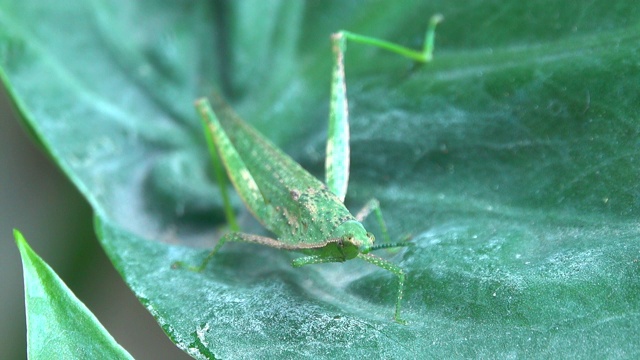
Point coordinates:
pixel 305 214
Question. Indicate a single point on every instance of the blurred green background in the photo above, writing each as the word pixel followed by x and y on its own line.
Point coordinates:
pixel 39 201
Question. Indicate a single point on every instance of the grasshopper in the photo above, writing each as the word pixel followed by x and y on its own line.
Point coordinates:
pixel 305 215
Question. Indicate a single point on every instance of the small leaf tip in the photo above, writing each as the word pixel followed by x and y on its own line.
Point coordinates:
pixel 19 238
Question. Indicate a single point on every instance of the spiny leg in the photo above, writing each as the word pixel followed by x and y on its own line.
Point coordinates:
pixel 314 259
pixel 337 157
pixel 319 259
pixel 395 270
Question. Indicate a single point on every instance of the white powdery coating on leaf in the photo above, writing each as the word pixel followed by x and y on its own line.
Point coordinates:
pixel 201 332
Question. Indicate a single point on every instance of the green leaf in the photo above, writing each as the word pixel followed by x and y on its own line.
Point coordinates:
pixel 511 160
pixel 59 326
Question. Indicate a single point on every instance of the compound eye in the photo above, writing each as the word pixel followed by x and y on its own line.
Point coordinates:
pixel 371 237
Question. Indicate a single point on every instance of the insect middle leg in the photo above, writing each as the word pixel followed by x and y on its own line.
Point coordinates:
pixel 373 206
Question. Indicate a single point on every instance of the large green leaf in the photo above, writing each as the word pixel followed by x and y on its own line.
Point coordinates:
pixel 511 160
pixel 59 326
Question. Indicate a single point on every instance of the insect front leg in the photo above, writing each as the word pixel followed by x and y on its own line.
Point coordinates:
pixel 396 270
pixel 314 259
